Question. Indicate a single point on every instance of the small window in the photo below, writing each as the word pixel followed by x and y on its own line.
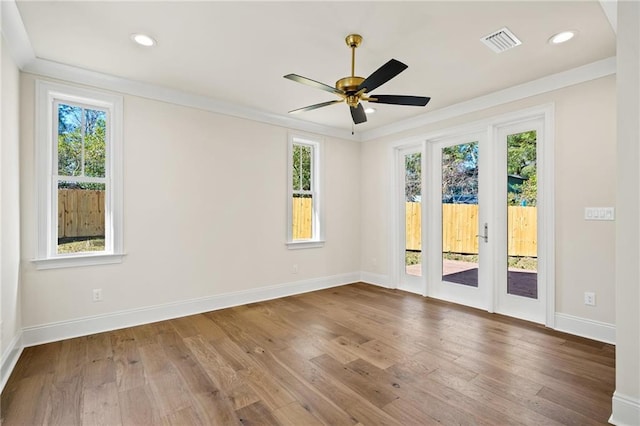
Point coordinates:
pixel 305 225
pixel 78 151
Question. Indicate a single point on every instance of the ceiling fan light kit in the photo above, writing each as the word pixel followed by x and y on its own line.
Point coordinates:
pixel 353 89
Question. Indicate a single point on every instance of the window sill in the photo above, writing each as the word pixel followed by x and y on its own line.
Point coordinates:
pixel 296 245
pixel 78 260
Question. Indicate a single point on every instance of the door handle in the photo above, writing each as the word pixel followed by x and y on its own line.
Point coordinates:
pixel 485 237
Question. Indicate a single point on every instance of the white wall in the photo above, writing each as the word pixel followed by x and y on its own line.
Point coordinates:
pixel 9 210
pixel 204 214
pixel 585 166
pixel 626 400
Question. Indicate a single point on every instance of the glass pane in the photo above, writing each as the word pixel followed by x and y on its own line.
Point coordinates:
pixel 296 170
pixel 69 140
pixel 302 217
pixel 95 124
pixel 305 166
pixel 460 214
pixel 522 225
pixel 413 226
pixel 81 217
pixel 301 168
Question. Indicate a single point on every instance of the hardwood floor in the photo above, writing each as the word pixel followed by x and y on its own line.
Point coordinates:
pixel 355 354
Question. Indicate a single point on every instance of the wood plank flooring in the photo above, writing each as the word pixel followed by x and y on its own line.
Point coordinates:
pixel 351 355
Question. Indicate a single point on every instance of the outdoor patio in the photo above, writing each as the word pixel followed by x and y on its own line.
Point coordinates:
pixel 520 282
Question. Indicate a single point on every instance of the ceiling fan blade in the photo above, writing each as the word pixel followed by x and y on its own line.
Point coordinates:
pixel 382 75
pixel 400 100
pixel 315 106
pixel 358 114
pixel 313 83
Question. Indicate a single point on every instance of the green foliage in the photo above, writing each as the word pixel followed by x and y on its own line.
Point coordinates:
pixel 412 257
pixel 460 173
pixel 413 173
pixel 301 167
pixel 81 141
pixel 521 161
pixel 80 245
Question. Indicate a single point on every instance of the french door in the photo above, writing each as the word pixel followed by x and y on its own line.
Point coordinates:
pixel 478 194
pixel 519 200
pixel 459 270
pixel 410 199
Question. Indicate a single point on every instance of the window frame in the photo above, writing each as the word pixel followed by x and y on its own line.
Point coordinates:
pixel 48 95
pixel 317 220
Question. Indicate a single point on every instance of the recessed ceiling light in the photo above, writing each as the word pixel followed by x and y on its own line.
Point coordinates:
pixel 369 110
pixel 562 37
pixel 143 40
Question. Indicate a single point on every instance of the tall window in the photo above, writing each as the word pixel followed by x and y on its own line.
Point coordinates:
pixel 304 227
pixel 78 152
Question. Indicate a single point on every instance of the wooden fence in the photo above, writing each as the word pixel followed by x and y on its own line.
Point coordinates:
pixel 80 213
pixel 460 227
pixel 302 211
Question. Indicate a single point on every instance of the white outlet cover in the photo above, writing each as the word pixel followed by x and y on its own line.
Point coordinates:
pixel 599 213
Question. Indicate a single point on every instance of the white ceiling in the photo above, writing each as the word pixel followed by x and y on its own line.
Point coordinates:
pixel 238 51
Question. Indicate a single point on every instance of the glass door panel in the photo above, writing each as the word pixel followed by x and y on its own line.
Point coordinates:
pixel 460 214
pixel 412 213
pixel 522 217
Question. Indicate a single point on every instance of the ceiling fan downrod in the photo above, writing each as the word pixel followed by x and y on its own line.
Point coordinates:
pixel 353 41
pixel 349 85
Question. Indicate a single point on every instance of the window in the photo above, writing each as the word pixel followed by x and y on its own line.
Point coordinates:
pixel 79 173
pixel 304 212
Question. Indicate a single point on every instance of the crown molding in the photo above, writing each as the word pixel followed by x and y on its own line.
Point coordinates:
pixel 61 71
pixel 24 56
pixel 542 85
pixel 15 34
pixel 610 9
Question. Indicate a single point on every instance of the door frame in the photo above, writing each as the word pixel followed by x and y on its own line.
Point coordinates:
pixel 507 304
pixel 415 285
pixel 477 297
pixel 546 196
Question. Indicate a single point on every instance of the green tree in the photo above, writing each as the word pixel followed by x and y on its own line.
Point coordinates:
pixel 521 161
pixel 301 167
pixel 81 143
pixel 413 173
pixel 460 173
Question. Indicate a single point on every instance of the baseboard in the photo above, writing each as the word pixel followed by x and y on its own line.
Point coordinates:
pixel 595 330
pixel 375 279
pixel 46 333
pixel 10 358
pixel 625 410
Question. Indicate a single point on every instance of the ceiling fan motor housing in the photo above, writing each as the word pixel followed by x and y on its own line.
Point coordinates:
pixel 349 84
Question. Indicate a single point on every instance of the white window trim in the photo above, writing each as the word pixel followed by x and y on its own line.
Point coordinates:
pixel 46 257
pixel 317 239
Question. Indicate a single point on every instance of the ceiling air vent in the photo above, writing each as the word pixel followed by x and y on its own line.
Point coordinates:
pixel 501 40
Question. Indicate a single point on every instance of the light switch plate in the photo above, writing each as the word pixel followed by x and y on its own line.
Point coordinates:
pixel 599 213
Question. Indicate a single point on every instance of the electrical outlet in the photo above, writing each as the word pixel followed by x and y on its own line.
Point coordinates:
pixel 589 298
pixel 294 270
pixel 97 295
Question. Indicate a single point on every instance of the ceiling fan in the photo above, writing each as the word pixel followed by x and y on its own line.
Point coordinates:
pixel 354 89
